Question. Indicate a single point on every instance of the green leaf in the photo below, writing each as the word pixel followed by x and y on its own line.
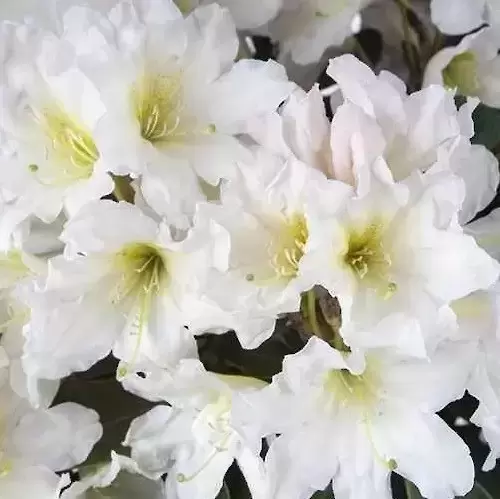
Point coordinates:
pixel 224 492
pixel 411 491
pixel 478 492
pixel 324 494
pixel 486 126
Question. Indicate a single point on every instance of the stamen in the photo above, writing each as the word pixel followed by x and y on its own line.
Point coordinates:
pixel 182 478
pixel 157 103
pixel 288 246
pixel 72 152
pixel 369 259
pixel 143 274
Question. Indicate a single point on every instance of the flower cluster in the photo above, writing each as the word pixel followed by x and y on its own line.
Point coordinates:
pixel 161 191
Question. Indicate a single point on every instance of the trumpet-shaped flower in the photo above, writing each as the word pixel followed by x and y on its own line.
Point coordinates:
pixel 267 212
pixel 49 158
pixel 397 248
pixel 472 67
pixel 412 132
pixel 420 131
pixel 477 319
pixel 201 433
pixel 355 419
pixel 120 286
pixel 20 270
pixel 34 444
pixel 175 100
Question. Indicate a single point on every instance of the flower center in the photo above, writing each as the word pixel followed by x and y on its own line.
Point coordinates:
pixel 157 104
pixel 143 275
pixel 368 259
pixel 328 8
pixel 348 389
pixel 461 73
pixel 71 153
pixel 143 271
pixel 289 246
pixel 284 250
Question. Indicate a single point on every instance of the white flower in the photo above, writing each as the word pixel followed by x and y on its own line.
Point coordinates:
pixel 455 17
pixel 34 444
pixel 20 271
pixel 477 317
pixel 486 232
pixel 175 101
pixel 121 286
pixel 477 322
pixel 306 28
pixel 246 15
pixel 120 479
pixel 397 249
pixel 410 128
pixel 412 132
pixel 300 128
pixel 200 434
pixel 355 419
pixel 50 110
pixel 422 131
pixel 472 67
pixel 266 212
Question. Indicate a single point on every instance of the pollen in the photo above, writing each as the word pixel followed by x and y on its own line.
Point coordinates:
pixel 71 146
pixel 157 103
pixel 288 246
pixel 143 271
pixel 368 258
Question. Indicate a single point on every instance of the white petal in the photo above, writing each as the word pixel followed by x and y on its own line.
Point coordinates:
pixel 60 437
pixel 67 337
pixel 106 226
pixel 253 470
pixel 455 17
pixel 431 455
pixel 154 436
pixel 247 16
pixel 479 169
pixel 249 89
pixel 25 480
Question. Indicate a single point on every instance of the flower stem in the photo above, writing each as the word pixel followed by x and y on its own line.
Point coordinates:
pixel 410 490
pixel 123 190
pixel 311 313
